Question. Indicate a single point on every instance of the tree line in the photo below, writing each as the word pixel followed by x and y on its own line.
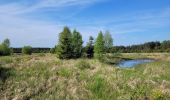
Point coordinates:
pixel 34 50
pixel 147 47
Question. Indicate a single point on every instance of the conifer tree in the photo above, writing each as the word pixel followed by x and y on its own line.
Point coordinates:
pixel 77 44
pixel 64 48
pixel 90 47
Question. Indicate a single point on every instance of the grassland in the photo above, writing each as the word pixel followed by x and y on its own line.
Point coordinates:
pixel 44 76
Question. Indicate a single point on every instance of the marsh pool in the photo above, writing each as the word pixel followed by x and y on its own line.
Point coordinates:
pixel 133 63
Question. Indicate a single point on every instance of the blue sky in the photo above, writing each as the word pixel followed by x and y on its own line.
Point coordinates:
pixel 38 22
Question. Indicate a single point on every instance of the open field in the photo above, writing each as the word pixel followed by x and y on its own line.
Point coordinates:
pixel 44 76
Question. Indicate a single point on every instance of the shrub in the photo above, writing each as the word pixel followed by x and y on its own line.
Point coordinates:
pixel 4 50
pixel 168 50
pixel 27 50
pixel 52 50
pixel 83 65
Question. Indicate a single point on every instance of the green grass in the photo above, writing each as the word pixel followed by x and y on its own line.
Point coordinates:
pixel 65 72
pixel 83 65
pixel 44 76
pixel 6 60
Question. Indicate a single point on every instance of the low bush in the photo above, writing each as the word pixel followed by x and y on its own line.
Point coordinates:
pixel 27 50
pixel 168 50
pixel 52 50
pixel 4 50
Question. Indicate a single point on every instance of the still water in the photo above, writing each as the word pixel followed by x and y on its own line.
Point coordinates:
pixel 132 63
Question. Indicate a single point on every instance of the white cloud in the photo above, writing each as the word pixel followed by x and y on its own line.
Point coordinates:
pixel 23 31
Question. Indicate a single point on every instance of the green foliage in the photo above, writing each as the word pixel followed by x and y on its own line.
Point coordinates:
pixel 77 44
pixel 52 50
pixel 64 47
pixel 90 47
pixel 83 65
pixel 99 46
pixel 6 42
pixel 168 50
pixel 5 48
pixel 165 45
pixel 27 50
pixel 108 41
pixel 70 45
pixel 5 73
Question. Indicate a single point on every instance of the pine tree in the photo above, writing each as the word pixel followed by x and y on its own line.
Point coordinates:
pixel 99 46
pixel 77 44
pixel 64 48
pixel 108 41
pixel 90 47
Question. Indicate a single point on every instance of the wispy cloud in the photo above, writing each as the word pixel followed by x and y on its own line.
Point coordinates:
pixel 18 8
pixel 131 22
pixel 24 31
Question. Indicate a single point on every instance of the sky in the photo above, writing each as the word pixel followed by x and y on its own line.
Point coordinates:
pixel 38 22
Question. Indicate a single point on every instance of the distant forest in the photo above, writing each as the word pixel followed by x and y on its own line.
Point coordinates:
pixel 147 47
pixel 140 48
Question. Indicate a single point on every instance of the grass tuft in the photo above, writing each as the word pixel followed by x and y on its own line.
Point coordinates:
pixel 82 64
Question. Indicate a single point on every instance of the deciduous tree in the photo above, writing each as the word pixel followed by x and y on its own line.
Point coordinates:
pixel 99 46
pixel 108 41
